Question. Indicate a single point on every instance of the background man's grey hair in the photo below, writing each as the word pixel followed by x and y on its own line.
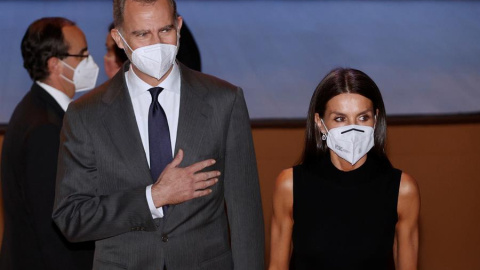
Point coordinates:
pixel 119 7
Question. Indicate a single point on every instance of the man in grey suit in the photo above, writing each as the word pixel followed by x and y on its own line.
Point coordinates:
pixel 200 211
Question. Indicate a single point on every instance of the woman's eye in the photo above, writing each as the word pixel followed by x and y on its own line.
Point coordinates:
pixel 339 119
pixel 364 118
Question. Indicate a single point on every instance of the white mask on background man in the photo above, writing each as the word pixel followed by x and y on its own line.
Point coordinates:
pixel 84 75
pixel 350 142
pixel 154 60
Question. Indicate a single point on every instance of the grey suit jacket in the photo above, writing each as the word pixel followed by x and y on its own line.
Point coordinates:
pixel 103 172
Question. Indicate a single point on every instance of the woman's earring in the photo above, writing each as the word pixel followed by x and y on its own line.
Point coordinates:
pixel 324 137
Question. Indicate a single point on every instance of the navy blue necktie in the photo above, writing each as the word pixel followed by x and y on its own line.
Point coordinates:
pixel 158 137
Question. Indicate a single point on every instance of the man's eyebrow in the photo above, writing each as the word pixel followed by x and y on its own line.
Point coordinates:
pixel 83 50
pixel 136 32
pixel 170 26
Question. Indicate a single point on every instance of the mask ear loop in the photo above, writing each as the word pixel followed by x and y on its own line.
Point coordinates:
pixel 324 137
pixel 124 41
pixel 67 65
pixel 71 68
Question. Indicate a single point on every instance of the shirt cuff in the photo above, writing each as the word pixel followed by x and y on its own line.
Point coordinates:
pixel 156 212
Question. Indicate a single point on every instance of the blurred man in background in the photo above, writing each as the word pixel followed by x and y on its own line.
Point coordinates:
pixel 55 54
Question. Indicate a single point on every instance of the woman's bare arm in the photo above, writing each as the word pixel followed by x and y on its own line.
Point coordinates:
pixel 406 233
pixel 282 221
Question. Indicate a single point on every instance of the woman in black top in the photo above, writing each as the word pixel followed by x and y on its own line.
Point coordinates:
pixel 344 206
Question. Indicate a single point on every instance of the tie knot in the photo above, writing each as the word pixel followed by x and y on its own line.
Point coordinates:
pixel 155 91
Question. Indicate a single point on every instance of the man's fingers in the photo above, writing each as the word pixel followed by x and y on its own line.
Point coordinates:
pixel 205 184
pixel 201 193
pixel 200 165
pixel 206 175
pixel 177 160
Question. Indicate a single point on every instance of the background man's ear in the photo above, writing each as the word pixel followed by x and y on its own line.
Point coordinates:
pixel 54 65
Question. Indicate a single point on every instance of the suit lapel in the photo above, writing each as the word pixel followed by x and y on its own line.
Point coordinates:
pixel 119 120
pixel 193 116
pixel 193 119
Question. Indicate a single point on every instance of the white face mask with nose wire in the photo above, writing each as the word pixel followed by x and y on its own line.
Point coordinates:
pixel 154 60
pixel 350 142
pixel 84 75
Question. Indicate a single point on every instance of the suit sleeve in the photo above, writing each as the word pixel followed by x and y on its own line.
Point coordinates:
pixel 81 213
pixel 242 191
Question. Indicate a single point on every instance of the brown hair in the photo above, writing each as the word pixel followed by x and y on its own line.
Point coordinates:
pixel 119 8
pixel 339 81
pixel 42 40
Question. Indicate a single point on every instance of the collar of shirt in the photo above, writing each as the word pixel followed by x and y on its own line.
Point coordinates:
pixel 137 86
pixel 60 97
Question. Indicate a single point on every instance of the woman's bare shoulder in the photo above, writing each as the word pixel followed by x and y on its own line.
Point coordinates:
pixel 284 181
pixel 408 186
pixel 408 199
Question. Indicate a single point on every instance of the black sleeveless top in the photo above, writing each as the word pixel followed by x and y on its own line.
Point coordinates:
pixel 344 220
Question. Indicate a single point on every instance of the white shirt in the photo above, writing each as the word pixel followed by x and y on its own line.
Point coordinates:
pixel 60 97
pixel 169 99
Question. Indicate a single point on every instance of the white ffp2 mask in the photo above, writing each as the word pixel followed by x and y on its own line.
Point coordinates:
pixel 154 60
pixel 84 75
pixel 350 142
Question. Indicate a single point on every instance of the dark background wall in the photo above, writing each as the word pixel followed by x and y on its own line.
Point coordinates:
pixel 444 159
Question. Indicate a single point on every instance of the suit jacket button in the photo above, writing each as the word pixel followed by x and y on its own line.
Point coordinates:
pixel 165 238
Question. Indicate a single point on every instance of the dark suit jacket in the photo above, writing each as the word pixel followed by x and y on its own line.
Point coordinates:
pixel 103 172
pixel 29 164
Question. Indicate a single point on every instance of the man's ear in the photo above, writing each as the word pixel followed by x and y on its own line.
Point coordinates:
pixel 179 24
pixel 116 37
pixel 54 66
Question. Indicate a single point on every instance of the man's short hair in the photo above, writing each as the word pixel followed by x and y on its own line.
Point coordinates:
pixel 119 8
pixel 120 55
pixel 44 39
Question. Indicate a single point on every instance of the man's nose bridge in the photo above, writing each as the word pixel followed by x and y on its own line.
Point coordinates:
pixel 157 38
